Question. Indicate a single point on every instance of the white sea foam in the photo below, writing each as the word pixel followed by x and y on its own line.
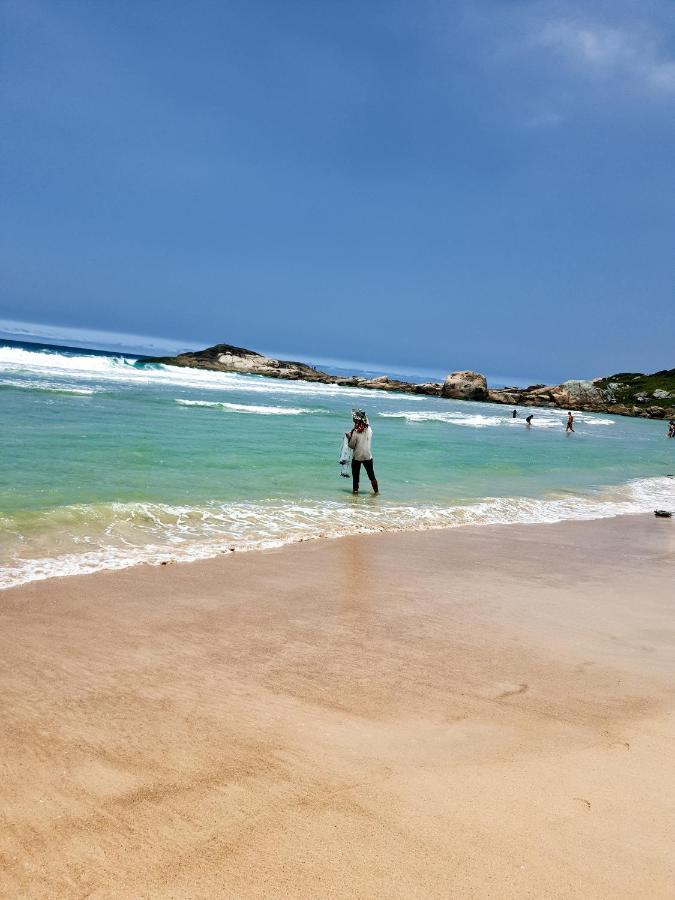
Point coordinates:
pixel 542 418
pixel 592 419
pixel 49 387
pixel 250 408
pixel 452 418
pixel 132 533
pixel 41 361
pixel 467 419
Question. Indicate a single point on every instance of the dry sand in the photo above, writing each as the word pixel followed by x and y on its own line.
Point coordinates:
pixel 483 712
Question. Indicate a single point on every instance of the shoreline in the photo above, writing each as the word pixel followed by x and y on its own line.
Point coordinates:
pixel 470 712
pixel 488 512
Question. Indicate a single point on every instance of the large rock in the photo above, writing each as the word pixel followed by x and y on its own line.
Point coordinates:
pixel 465 386
pixel 582 393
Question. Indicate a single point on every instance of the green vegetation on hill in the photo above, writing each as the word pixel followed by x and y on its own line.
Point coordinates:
pixel 637 389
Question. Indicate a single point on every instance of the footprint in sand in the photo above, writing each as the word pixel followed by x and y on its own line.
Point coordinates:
pixel 512 691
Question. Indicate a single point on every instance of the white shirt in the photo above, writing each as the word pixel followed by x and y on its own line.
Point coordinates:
pixel 360 443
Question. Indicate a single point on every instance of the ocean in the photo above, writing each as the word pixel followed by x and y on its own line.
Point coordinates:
pixel 107 462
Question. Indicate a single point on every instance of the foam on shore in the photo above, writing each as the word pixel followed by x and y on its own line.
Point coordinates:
pixel 119 535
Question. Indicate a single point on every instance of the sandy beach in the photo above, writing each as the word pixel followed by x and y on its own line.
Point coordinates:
pixel 479 712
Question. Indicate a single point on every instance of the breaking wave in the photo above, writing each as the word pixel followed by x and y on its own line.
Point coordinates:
pixel 128 371
pixel 82 539
pixel 249 408
pixel 541 418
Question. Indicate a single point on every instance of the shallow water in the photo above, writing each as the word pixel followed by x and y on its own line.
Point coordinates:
pixel 107 462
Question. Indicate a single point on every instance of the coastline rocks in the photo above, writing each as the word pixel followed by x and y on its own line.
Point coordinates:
pixel 465 386
pixel 581 393
pixel 384 383
pixel 650 412
pixel 627 394
pixel 430 388
pixel 227 358
pixel 504 396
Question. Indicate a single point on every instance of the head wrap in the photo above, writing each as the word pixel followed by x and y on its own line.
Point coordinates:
pixel 360 419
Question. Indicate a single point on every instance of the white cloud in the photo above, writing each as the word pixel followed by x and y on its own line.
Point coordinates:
pixel 607 51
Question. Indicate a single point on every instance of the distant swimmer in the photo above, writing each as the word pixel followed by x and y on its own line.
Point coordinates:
pixel 529 420
pixel 570 423
pixel 515 414
pixel 360 441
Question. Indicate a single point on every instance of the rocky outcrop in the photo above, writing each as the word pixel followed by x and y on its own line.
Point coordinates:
pixel 578 395
pixel 465 386
pixel 226 358
pixel 627 394
pixel 571 394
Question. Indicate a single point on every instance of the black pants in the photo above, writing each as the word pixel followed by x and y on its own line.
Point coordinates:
pixel 356 471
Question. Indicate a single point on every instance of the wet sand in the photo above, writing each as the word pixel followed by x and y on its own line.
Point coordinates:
pixel 481 712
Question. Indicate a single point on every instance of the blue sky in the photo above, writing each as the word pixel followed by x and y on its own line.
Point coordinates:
pixel 424 185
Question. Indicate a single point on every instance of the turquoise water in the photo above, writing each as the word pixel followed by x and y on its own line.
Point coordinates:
pixel 107 462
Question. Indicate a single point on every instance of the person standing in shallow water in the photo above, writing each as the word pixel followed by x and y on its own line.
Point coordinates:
pixel 570 423
pixel 360 440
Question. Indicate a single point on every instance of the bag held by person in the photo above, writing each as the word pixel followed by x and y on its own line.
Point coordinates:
pixel 345 460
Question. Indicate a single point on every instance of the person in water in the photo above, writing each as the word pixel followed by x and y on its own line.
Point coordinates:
pixel 671 428
pixel 515 413
pixel 570 423
pixel 360 441
pixel 529 420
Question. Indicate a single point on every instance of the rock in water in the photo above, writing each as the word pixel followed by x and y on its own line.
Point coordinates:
pixel 465 386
